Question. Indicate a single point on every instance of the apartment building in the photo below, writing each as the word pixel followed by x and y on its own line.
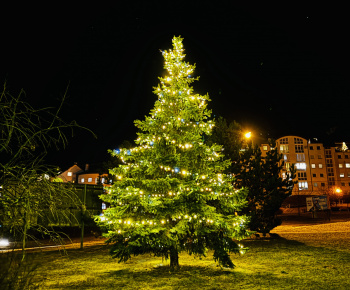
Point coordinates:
pixel 318 168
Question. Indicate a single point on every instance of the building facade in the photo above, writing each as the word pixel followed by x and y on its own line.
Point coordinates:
pixel 70 175
pixel 75 174
pixel 318 168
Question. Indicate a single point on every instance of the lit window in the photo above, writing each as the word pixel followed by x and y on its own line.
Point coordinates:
pixel 285 157
pixel 320 165
pixel 341 174
pixel 69 173
pixel 83 180
pixel 284 148
pixel 89 179
pixel 347 165
pixel 103 180
pixel 300 166
pixel 315 184
pixel 340 165
pixel 303 185
pixel 104 205
pixel 313 165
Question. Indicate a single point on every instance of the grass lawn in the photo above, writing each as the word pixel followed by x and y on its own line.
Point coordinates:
pixel 302 258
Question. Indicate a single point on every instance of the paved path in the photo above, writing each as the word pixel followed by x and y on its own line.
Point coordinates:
pixel 332 227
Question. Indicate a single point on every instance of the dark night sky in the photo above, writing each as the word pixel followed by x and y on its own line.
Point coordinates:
pixel 277 70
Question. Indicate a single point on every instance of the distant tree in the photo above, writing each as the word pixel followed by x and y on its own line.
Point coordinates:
pixel 29 201
pixel 260 175
pixel 229 136
pixel 335 195
pixel 267 189
pixel 171 193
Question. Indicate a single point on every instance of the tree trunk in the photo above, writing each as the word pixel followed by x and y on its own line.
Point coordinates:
pixel 174 259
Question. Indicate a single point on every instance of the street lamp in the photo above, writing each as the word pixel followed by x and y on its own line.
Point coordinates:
pixel 4 242
pixel 248 138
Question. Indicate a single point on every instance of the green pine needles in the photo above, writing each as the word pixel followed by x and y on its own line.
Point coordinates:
pixel 171 194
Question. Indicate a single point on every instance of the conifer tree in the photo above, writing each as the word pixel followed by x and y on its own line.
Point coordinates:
pixel 171 194
pixel 267 188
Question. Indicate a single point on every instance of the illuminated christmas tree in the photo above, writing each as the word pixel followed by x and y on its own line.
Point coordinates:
pixel 171 194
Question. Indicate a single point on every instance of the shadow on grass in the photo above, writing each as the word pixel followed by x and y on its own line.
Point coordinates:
pixel 193 277
pixel 272 241
pixel 271 263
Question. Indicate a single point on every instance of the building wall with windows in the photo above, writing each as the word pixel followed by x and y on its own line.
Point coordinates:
pixel 340 176
pixel 318 169
pixel 92 178
pixel 88 178
pixel 294 151
pixel 70 175
pixel 75 174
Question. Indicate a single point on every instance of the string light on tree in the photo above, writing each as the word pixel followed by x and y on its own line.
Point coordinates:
pixel 173 196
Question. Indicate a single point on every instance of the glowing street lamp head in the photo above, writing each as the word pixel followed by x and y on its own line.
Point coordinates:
pixel 338 190
pixel 4 243
pixel 248 135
